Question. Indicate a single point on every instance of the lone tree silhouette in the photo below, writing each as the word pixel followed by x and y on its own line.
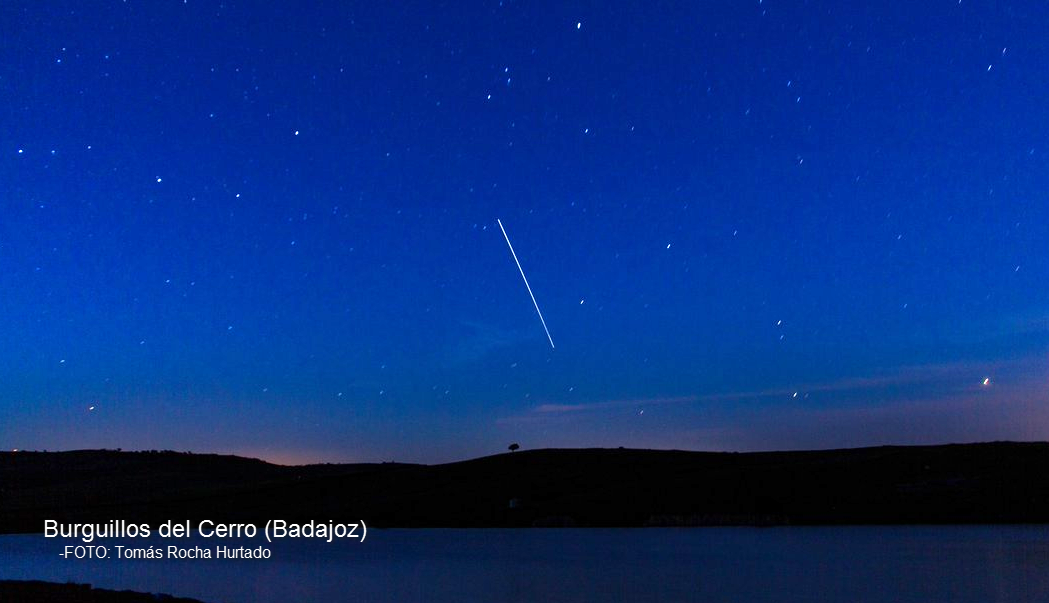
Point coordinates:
pixel 514 446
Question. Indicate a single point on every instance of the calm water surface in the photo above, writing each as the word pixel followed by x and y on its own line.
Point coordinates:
pixel 834 564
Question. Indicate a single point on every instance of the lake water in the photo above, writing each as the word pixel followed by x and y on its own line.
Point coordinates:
pixel 833 564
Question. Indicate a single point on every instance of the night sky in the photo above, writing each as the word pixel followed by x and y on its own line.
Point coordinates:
pixel 271 230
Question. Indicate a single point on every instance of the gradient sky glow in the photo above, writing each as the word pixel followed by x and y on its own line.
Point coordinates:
pixel 271 230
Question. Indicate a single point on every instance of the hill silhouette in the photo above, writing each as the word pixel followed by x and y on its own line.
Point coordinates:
pixel 961 483
pixel 33 591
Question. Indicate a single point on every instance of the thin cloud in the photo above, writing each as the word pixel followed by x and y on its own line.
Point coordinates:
pixel 625 403
pixel 960 376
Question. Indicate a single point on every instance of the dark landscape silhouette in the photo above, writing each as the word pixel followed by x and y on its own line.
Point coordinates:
pixel 34 591
pixel 1001 482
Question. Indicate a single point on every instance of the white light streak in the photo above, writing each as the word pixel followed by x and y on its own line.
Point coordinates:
pixel 527 286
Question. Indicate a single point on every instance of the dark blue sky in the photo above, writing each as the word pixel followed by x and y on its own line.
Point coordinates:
pixel 270 230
